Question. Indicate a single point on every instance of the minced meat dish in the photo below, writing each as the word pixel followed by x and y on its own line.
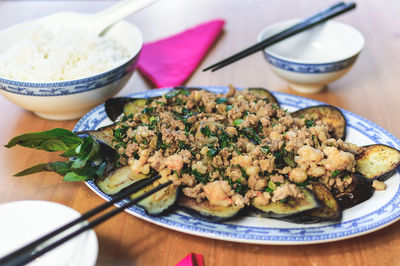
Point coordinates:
pixel 232 149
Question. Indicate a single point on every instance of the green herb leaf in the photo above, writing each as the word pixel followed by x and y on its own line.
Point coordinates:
pixel 148 110
pixel 284 158
pixel 221 100
pixel 268 190
pixel 244 174
pixel 289 161
pixel 212 152
pixel 89 151
pixel 176 92
pixel 87 163
pixel 228 107
pixel 72 176
pixel 202 178
pixel 206 131
pixel 284 200
pixel 249 133
pixel 59 167
pixel 237 186
pixel 240 188
pixel 309 123
pixel 57 139
pixel 160 103
pixel 265 149
pixel 304 184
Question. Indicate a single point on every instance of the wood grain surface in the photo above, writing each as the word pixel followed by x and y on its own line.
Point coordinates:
pixel 371 89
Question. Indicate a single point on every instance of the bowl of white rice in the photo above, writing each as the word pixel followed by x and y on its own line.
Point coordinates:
pixel 61 73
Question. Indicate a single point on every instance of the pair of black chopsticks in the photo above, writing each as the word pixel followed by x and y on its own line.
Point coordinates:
pixel 316 19
pixel 39 247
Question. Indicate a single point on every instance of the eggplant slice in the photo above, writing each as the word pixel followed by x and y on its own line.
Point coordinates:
pixel 329 210
pixel 159 202
pixel 115 106
pixel 331 115
pixel 118 179
pixel 204 210
pixel 292 207
pixel 103 134
pixel 123 177
pixel 265 94
pixel 378 161
pixel 125 105
pixel 359 191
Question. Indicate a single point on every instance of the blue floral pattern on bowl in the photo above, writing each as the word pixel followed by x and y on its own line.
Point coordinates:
pixel 267 231
pixel 309 68
pixel 69 87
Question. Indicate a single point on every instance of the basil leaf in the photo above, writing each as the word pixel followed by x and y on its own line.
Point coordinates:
pixel 87 152
pixel 72 176
pixel 57 139
pixel 59 167
pixel 70 153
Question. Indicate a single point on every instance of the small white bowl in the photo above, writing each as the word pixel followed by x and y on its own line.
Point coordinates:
pixel 312 59
pixel 71 99
pixel 25 221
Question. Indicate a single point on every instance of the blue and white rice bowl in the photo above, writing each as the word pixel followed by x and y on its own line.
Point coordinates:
pixel 66 100
pixel 312 59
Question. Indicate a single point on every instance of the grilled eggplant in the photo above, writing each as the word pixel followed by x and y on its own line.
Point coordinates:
pixel 331 115
pixel 263 93
pixel 103 134
pixel 378 161
pixel 125 105
pixel 158 202
pixel 329 210
pixel 118 179
pixel 204 210
pixel 359 191
pixel 291 207
pixel 116 106
pixel 123 177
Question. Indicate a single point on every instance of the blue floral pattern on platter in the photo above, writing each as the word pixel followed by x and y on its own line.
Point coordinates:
pixel 68 87
pixel 309 68
pixel 267 231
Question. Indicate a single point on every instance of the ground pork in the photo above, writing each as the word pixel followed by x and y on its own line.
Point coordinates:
pixel 227 148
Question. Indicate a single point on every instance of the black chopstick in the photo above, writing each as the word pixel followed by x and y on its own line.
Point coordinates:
pixel 29 252
pixel 312 21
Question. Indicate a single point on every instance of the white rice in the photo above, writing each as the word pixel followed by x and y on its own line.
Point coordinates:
pixel 52 54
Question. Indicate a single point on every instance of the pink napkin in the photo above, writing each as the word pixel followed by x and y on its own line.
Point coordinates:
pixel 191 260
pixel 170 61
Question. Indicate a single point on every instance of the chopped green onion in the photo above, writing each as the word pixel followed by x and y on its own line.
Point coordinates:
pixel 271 185
pixel 335 173
pixel 238 121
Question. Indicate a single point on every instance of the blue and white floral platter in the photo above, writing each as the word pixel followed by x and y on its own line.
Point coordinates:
pixel 379 211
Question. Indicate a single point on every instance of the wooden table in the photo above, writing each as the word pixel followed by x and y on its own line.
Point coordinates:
pixel 371 90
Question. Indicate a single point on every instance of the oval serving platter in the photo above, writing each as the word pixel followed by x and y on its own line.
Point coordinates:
pixel 379 211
